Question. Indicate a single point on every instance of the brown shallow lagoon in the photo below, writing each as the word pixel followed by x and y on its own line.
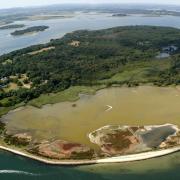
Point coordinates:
pixel 144 105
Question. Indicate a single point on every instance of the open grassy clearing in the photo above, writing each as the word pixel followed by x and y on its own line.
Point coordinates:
pixel 141 72
pixel 11 86
pixel 41 50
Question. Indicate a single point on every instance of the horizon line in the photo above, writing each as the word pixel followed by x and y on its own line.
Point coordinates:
pixel 78 3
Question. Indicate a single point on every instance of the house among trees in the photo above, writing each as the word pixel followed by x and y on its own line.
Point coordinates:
pixel 169 49
pixel 3 79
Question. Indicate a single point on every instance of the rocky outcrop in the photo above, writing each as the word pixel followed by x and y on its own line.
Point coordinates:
pixel 59 149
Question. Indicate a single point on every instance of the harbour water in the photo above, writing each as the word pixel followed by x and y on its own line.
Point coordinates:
pixel 90 21
pixel 17 168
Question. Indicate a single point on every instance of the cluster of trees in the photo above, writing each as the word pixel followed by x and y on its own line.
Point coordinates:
pixel 99 55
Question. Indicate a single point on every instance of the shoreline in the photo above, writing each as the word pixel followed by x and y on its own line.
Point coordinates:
pixel 117 159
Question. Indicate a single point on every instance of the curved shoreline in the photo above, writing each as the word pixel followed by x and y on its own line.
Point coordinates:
pixel 117 159
pixel 46 161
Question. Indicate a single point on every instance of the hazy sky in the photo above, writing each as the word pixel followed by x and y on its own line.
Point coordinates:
pixel 21 3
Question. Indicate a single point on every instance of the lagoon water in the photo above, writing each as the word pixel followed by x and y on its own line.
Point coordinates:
pixel 131 106
pixel 165 109
pixel 144 105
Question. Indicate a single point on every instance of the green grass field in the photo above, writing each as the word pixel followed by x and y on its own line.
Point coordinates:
pixel 141 72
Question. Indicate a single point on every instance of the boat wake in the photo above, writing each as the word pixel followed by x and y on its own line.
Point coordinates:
pixel 109 107
pixel 17 172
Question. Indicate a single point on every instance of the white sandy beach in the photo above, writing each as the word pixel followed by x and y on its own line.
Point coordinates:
pixel 118 159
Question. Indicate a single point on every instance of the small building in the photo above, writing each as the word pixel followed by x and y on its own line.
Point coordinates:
pixel 143 43
pixel 3 79
pixel 74 43
pixel 169 49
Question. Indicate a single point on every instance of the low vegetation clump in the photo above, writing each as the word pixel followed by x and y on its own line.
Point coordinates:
pixel 60 149
pixel 2 128
pixel 17 139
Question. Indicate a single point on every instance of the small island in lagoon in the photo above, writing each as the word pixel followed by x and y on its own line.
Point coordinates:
pixel 119 15
pixel 29 30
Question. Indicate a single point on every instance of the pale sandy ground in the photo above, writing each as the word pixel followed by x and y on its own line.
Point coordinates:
pixel 139 156
pixel 118 159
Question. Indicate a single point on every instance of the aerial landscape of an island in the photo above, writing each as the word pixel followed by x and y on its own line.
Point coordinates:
pixel 95 87
pixel 31 77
